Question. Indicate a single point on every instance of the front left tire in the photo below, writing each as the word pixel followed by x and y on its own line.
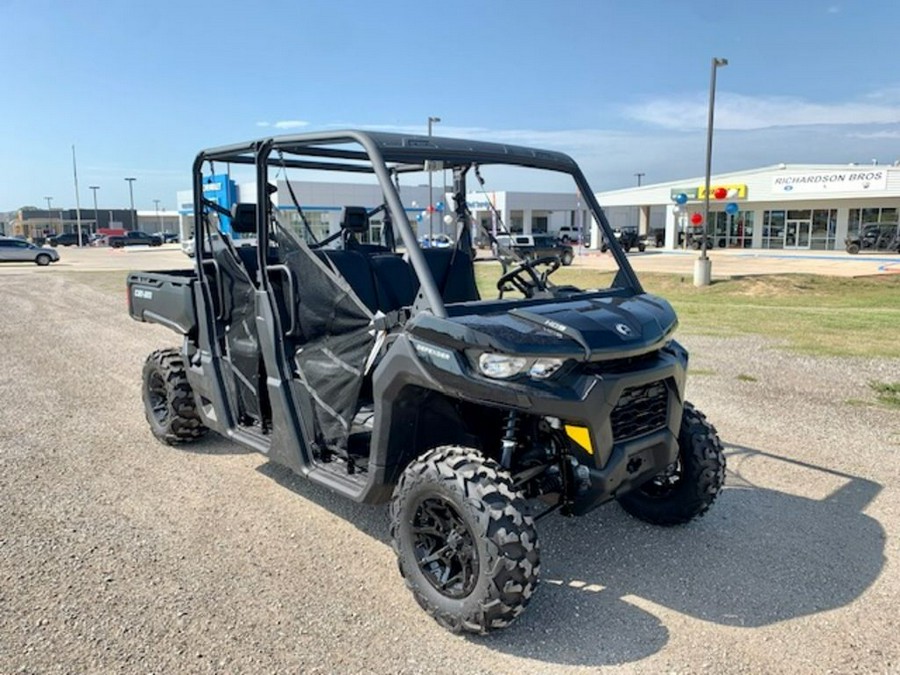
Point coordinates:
pixel 465 545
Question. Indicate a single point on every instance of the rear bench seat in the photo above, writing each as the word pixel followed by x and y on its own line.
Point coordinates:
pixel 386 282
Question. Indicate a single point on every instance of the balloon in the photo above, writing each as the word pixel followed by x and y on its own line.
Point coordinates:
pixel 681 198
pixel 720 193
pixel 419 218
pixel 439 206
pixel 430 209
pixel 677 209
pixel 448 219
pixel 696 218
pixel 415 204
pixel 732 193
pixel 732 208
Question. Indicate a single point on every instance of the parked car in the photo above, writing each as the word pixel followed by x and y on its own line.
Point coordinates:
pixel 69 239
pixel 533 246
pixel 435 241
pixel 17 250
pixel 168 237
pixel 875 237
pixel 135 238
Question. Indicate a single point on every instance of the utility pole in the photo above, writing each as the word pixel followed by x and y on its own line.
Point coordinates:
pixel 639 176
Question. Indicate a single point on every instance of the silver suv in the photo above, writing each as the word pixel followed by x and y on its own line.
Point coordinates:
pixel 19 250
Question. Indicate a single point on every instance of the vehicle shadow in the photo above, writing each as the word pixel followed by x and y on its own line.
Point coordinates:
pixel 759 556
pixel 608 581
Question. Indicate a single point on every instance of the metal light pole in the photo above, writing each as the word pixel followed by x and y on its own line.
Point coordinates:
pixel 158 219
pixel 131 195
pixel 49 212
pixel 639 176
pixel 94 189
pixel 431 120
pixel 703 265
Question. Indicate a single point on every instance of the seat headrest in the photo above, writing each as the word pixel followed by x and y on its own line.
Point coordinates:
pixel 355 219
pixel 243 218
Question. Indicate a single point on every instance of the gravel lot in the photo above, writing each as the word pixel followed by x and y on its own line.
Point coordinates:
pixel 119 554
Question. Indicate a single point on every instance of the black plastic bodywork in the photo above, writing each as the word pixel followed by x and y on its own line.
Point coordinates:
pixel 242 338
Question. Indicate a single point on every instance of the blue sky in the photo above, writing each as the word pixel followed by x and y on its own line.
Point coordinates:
pixel 139 87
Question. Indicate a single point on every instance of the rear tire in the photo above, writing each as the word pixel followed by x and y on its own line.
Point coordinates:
pixel 692 484
pixel 566 258
pixel 168 399
pixel 465 547
pixel 853 248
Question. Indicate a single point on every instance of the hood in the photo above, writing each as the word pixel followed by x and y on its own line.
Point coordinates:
pixel 591 328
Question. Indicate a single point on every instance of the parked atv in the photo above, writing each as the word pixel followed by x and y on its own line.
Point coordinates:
pixel 884 237
pixel 382 371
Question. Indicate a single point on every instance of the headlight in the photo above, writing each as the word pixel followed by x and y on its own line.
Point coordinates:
pixel 503 367
pixel 541 369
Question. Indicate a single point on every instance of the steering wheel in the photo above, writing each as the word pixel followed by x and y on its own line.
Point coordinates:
pixel 525 278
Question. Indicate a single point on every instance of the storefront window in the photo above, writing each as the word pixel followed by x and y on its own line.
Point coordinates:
pixel 773 229
pixel 824 222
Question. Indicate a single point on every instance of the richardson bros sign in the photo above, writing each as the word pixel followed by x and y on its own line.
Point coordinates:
pixel 853 180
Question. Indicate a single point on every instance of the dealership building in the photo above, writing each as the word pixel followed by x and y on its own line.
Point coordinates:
pixel 786 206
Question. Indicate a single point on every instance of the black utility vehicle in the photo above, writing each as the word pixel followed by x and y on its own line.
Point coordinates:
pixel 380 371
pixel 628 239
pixel 532 246
pixel 883 237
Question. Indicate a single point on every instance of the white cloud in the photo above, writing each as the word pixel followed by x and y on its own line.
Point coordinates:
pixel 875 134
pixel 290 124
pixel 262 124
pixel 739 112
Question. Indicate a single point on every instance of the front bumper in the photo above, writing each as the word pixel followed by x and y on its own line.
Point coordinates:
pixel 628 414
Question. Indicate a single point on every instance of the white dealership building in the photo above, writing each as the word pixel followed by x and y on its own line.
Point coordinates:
pixel 786 206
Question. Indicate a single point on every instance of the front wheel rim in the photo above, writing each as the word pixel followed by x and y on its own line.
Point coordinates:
pixel 444 548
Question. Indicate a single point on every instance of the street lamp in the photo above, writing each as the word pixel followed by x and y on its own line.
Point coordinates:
pixel 49 212
pixel 431 120
pixel 703 265
pixel 639 176
pixel 158 219
pixel 131 195
pixel 94 189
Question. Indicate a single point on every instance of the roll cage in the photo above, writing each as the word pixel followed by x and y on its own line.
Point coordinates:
pixel 388 156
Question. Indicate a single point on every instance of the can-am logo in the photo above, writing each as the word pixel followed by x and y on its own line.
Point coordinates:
pixel 624 330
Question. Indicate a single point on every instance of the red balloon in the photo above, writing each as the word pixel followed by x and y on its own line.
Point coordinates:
pixel 696 218
pixel 720 193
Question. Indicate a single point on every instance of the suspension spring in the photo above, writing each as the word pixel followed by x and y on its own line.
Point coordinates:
pixel 510 439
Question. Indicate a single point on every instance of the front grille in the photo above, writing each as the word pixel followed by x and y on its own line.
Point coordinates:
pixel 640 410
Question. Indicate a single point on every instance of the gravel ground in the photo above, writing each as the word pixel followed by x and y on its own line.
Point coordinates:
pixel 119 554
